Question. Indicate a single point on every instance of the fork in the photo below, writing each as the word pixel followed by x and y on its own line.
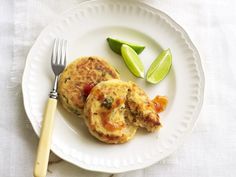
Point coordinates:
pixel 58 63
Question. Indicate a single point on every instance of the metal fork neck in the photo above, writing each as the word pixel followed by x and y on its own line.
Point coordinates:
pixel 53 93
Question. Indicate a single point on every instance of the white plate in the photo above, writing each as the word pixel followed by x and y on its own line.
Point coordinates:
pixel 86 27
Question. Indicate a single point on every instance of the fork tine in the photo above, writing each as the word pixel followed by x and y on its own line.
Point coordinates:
pixel 58 58
pixel 54 54
pixel 63 52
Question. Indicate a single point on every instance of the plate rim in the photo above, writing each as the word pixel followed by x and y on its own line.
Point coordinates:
pixel 145 164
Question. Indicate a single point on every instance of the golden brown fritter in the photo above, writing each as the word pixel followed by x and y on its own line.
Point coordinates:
pixel 79 78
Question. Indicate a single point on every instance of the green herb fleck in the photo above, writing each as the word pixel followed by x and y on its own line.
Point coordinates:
pixel 107 102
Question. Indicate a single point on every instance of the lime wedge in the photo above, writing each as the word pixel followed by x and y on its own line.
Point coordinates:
pixel 132 61
pixel 115 45
pixel 160 67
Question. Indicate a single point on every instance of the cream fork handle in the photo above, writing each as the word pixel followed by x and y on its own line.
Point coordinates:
pixel 41 163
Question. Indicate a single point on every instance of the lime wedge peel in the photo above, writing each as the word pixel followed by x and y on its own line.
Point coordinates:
pixel 115 45
pixel 132 61
pixel 160 67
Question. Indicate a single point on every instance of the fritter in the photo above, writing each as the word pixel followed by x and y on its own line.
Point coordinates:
pixel 79 78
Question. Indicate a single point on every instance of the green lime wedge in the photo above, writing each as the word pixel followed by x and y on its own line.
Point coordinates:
pixel 115 45
pixel 160 67
pixel 132 61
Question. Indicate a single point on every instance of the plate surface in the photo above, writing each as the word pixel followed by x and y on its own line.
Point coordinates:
pixel 86 28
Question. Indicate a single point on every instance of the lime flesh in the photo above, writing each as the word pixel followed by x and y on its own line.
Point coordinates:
pixel 115 45
pixel 132 61
pixel 160 67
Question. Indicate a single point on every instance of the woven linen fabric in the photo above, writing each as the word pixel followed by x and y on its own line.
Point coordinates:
pixel 210 151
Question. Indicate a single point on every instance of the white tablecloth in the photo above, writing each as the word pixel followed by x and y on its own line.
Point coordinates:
pixel 210 151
